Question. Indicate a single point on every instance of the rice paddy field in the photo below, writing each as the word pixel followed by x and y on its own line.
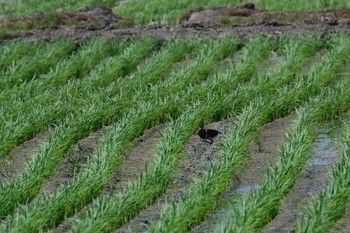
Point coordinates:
pixel 174 116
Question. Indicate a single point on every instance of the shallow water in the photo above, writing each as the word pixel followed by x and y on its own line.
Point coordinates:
pixel 326 152
pixel 326 148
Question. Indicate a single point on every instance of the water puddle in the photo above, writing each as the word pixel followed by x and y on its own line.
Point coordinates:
pixel 326 152
pixel 326 149
pixel 247 188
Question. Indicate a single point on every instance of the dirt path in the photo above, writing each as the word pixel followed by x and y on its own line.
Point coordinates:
pixel 251 173
pixel 326 152
pixel 174 31
pixel 242 21
pixel 140 155
pixel 195 158
pixel 74 160
pixel 134 162
pixel 18 158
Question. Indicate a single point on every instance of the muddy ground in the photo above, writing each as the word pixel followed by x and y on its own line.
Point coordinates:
pixel 264 150
pixel 326 153
pixel 243 21
pixel 195 159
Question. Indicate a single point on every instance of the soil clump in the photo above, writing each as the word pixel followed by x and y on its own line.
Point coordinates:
pixel 243 20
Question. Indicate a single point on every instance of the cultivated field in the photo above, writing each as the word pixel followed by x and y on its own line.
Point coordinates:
pixel 100 112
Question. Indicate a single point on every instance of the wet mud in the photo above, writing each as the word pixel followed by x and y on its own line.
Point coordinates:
pixel 194 160
pixel 242 21
pixel 326 152
pixel 264 150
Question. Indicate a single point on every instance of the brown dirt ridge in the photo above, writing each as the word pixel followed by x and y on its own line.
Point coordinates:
pixel 89 18
pixel 247 14
pixel 242 20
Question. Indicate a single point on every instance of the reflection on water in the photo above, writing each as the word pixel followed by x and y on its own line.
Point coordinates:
pixel 247 188
pixel 326 147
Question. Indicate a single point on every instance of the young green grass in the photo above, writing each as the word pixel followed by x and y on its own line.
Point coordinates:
pixel 31 97
pixel 107 71
pixel 255 209
pixel 127 204
pixel 110 210
pixel 29 67
pixel 88 121
pixel 329 206
pixel 301 5
pixel 101 165
pixel 162 11
pixel 12 51
pixel 195 205
pixel 51 113
pixel 90 53
pixel 76 125
pixel 295 50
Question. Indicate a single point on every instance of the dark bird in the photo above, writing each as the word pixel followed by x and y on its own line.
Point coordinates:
pixel 208 135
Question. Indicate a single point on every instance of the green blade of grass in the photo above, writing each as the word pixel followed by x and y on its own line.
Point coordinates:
pixel 29 67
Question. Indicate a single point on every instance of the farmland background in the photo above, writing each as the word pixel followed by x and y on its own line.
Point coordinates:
pixel 98 133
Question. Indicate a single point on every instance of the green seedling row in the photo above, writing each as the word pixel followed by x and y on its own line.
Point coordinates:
pixel 52 113
pixel 119 204
pixel 295 52
pixel 10 52
pixel 30 67
pixel 72 128
pixel 260 206
pixel 128 203
pixel 329 206
pixel 20 127
pixel 105 73
pixel 78 65
pixel 194 206
pixel 105 93
pixel 103 111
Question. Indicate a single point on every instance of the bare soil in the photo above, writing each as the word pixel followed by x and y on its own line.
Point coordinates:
pixel 327 152
pixel 246 14
pixel 18 158
pixel 195 159
pixel 90 18
pixel 264 151
pixel 133 164
pixel 74 161
pixel 243 21
pixel 136 160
